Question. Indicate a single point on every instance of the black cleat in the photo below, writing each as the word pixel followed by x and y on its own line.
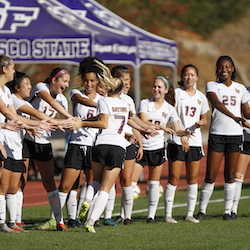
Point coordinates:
pixel 200 216
pixel 127 222
pixel 227 217
pixel 151 221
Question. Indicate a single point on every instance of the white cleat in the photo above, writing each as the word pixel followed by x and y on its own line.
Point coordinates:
pixel 191 219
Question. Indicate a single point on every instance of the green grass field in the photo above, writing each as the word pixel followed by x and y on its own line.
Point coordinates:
pixel 212 233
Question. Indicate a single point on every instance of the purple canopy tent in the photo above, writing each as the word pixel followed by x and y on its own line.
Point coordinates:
pixel 66 31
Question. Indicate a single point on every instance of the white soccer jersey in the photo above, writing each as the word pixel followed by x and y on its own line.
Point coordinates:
pixel 12 141
pixel 117 111
pixel 159 116
pixel 39 104
pixel 189 109
pixel 83 136
pixel 232 97
pixel 131 104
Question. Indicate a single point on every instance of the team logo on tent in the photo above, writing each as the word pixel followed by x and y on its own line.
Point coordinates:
pixel 12 17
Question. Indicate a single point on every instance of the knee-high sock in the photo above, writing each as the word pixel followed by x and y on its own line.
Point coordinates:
pixel 2 209
pixel 55 204
pixel 237 194
pixel 81 197
pixel 19 196
pixel 92 189
pixel 11 202
pixel 72 204
pixel 91 207
pixel 206 192
pixel 153 198
pixel 110 204
pixel 99 206
pixel 62 197
pixel 169 199
pixel 192 191
pixel 229 189
pixel 128 201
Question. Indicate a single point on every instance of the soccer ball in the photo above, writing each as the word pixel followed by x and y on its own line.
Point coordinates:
pixel 136 192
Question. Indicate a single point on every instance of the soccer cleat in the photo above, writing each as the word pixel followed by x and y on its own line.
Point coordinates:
pixel 20 224
pixel 83 211
pixel 97 224
pixel 109 222
pixel 127 222
pixel 233 215
pixel 227 217
pixel 118 220
pixel 61 227
pixel 5 229
pixel 200 216
pixel 15 227
pixel 89 228
pixel 170 220
pixel 78 223
pixel 151 221
pixel 191 219
pixel 48 225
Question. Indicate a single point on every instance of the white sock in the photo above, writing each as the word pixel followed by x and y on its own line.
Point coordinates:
pixel 19 196
pixel 169 199
pixel 55 204
pixel 2 209
pixel 91 207
pixel 99 205
pixel 81 197
pixel 92 189
pixel 110 204
pixel 192 191
pixel 122 214
pixel 11 203
pixel 153 198
pixel 62 197
pixel 237 194
pixel 229 189
pixel 72 204
pixel 133 184
pixel 128 201
pixel 206 192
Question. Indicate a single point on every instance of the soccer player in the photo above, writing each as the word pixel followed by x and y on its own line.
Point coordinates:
pixel 192 107
pixel 228 99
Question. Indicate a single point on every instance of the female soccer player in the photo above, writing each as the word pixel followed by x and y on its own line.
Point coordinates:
pixel 47 97
pixel 157 111
pixel 78 155
pixel 192 107
pixel 109 148
pixel 228 99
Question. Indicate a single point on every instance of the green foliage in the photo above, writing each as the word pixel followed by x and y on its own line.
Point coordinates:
pixel 202 17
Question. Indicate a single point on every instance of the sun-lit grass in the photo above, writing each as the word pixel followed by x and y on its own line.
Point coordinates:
pixel 212 233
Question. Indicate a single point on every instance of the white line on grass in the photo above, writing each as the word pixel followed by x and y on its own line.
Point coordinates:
pixel 180 205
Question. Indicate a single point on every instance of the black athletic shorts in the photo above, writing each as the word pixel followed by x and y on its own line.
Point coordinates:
pixel 108 155
pixel 153 158
pixel 224 143
pixel 78 157
pixel 246 148
pixel 40 152
pixel 131 152
pixel 14 165
pixel 26 151
pixel 175 153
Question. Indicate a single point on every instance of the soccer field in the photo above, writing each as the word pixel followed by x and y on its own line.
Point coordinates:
pixel 212 233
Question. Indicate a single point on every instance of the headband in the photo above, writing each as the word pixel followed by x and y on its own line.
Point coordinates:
pixel 164 80
pixel 61 72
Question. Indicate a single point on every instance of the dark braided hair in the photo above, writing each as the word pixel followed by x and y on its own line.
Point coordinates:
pixel 226 58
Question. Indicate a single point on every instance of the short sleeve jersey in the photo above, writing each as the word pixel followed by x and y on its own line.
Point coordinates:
pixel 246 131
pixel 12 140
pixel 39 104
pixel 232 97
pixel 117 111
pixel 159 116
pixel 83 136
pixel 189 109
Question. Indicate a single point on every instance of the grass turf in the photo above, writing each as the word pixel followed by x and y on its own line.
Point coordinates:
pixel 212 233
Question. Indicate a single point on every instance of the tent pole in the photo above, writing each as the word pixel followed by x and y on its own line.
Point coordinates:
pixel 137 82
